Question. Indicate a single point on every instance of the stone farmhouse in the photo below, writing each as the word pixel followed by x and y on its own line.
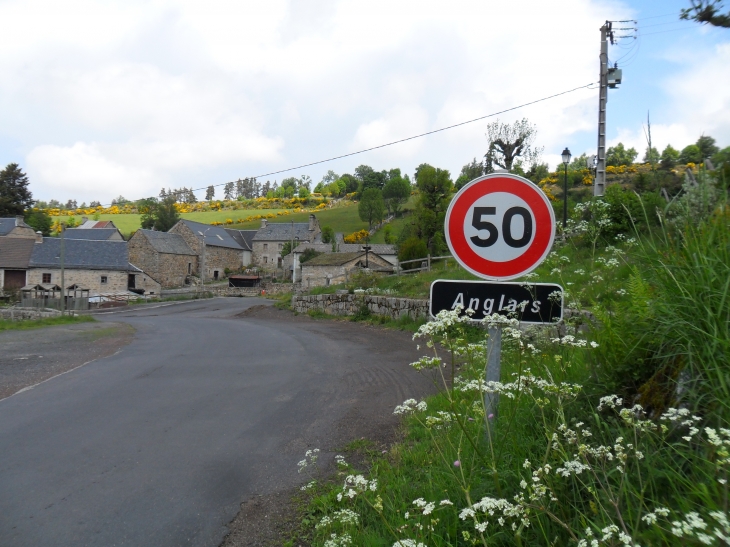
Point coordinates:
pixel 15 227
pixel 15 255
pixel 388 252
pixel 270 238
pixel 103 267
pixel 245 239
pixel 164 256
pixel 333 268
pixel 215 247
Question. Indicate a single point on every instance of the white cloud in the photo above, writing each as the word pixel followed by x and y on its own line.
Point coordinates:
pixel 143 94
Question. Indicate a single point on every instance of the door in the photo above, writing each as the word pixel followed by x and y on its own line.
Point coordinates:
pixel 14 279
pixel 131 281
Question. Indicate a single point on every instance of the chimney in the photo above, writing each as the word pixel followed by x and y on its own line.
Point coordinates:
pixel 312 221
pixel 39 237
pixel 263 223
pixel 19 220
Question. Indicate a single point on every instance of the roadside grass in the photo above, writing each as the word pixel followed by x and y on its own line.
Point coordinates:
pixel 6 324
pixel 569 458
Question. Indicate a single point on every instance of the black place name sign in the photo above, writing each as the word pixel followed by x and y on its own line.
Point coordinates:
pixel 528 302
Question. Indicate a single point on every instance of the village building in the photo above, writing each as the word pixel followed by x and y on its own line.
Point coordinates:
pixel 16 227
pixel 388 252
pixel 87 224
pixel 99 234
pixel 216 249
pixel 103 267
pixel 334 268
pixel 15 255
pixel 293 260
pixel 245 239
pixel 270 239
pixel 164 256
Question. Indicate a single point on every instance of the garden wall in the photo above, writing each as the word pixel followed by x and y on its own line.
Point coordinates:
pixel 350 304
pixel 19 314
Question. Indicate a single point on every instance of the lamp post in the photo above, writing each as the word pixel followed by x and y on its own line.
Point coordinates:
pixel 566 160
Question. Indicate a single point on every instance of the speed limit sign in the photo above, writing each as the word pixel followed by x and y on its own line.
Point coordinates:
pixel 500 226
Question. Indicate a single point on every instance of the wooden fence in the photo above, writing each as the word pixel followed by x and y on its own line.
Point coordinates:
pixel 426 264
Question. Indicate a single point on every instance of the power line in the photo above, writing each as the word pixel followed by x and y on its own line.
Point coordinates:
pixel 586 86
pixel 663 31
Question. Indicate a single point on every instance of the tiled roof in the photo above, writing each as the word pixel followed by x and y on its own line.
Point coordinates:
pixel 282 231
pixel 215 236
pixel 332 259
pixel 83 254
pixel 98 234
pixel 377 248
pixel 7 225
pixel 164 242
pixel 319 247
pixel 243 237
pixel 15 252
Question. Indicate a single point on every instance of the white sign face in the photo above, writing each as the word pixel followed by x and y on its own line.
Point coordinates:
pixel 506 215
pixel 500 226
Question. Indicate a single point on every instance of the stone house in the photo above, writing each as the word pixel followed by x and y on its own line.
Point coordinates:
pixel 334 268
pixel 16 227
pixel 164 256
pixel 14 259
pixel 388 252
pixel 87 224
pixel 292 262
pixel 219 252
pixel 270 238
pixel 103 267
pixel 99 234
pixel 245 239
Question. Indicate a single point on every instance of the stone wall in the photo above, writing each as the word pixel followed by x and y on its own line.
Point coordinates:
pixel 216 258
pixel 350 304
pixel 116 281
pixel 266 254
pixel 18 314
pixel 169 269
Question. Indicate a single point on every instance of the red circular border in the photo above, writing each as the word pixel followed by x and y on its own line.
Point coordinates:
pixel 511 184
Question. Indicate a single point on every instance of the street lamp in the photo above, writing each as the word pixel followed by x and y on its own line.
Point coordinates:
pixel 566 160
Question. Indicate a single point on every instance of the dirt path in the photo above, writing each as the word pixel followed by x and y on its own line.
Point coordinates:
pixel 28 357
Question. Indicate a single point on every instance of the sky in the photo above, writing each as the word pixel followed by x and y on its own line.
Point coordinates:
pixel 108 98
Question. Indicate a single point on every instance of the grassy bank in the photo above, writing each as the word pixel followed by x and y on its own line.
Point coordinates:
pixel 6 324
pixel 615 436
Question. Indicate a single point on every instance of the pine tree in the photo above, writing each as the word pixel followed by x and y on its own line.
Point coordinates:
pixel 14 194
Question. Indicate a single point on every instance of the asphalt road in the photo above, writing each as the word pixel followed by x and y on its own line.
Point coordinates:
pixel 160 443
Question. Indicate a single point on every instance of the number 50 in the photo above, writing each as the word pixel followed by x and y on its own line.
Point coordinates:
pixel 493 236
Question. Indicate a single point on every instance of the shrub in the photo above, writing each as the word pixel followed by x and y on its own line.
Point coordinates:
pixel 412 249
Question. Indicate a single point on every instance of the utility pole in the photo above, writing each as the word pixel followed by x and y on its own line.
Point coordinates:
pixel 63 277
pixel 600 183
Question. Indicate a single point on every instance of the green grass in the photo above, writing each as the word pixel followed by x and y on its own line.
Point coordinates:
pixel 343 218
pixel 6 324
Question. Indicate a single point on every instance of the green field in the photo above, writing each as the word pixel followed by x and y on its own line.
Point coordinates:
pixel 342 219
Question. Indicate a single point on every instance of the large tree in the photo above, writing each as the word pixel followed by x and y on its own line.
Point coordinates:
pixel 160 215
pixel 620 155
pixel 706 11
pixel 396 191
pixel 469 172
pixel 14 194
pixel 434 186
pixel 509 141
pixel 707 146
pixel 371 206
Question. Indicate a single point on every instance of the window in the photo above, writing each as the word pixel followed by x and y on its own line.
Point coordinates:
pixel 104 279
pixel 281 246
pixel 266 260
pixel 190 267
pixel 266 246
pixel 46 278
pixel 279 262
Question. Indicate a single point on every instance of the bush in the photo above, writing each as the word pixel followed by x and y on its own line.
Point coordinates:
pixel 412 249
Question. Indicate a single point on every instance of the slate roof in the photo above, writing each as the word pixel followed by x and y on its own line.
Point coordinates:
pixel 243 237
pixel 83 254
pixel 282 231
pixel 164 242
pixel 15 252
pixel 332 259
pixel 319 247
pixel 377 248
pixel 97 225
pixel 215 236
pixel 7 225
pixel 98 234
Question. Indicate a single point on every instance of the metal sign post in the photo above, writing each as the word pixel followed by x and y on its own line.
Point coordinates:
pixel 493 374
